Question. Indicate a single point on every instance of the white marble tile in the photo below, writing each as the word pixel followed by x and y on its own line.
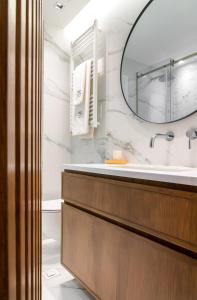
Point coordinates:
pixel 46 294
pixel 63 285
pixel 62 292
pixel 125 131
pixel 120 128
pixel 56 135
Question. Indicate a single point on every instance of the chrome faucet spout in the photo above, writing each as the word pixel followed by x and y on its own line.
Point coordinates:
pixel 153 138
pixel 152 141
pixel 169 136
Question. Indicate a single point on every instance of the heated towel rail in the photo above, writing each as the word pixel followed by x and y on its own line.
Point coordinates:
pixel 88 46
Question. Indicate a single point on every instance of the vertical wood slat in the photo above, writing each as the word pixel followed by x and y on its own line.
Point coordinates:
pixel 40 85
pixel 36 149
pixel 3 154
pixel 33 151
pixel 20 146
pixel 29 151
pixel 7 152
pixel 20 152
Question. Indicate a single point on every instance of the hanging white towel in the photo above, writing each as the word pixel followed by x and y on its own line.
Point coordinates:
pixel 80 112
pixel 79 77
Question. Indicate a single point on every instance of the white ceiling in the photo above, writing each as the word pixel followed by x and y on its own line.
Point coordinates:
pixel 61 18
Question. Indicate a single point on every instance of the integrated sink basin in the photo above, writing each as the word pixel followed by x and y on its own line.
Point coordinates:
pixel 158 168
pixel 169 174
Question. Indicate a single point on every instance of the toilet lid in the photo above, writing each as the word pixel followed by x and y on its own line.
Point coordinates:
pixel 52 205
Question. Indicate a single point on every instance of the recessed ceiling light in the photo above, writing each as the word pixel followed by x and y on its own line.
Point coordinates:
pixel 59 5
pixel 181 62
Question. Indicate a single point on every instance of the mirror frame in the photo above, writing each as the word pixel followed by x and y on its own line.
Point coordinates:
pixel 121 66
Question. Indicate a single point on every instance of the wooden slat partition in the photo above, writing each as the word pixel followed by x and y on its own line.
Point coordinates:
pixel 20 151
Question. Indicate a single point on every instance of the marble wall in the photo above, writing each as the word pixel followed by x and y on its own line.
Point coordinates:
pixel 56 136
pixel 119 128
pixel 123 130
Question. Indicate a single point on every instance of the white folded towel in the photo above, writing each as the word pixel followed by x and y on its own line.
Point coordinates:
pixel 79 77
pixel 80 112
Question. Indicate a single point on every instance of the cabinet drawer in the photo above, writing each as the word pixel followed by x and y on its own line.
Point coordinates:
pixel 166 213
pixel 116 264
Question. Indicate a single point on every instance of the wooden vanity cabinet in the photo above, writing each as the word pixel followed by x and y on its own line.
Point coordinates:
pixel 120 248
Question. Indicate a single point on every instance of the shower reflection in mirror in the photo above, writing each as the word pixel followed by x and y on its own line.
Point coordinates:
pixel 159 88
pixel 159 63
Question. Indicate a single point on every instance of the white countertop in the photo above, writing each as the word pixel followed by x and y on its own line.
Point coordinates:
pixel 171 174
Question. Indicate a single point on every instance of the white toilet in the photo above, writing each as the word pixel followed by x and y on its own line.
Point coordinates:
pixel 51 219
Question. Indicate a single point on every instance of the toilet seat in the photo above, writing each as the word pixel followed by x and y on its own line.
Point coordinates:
pixel 52 205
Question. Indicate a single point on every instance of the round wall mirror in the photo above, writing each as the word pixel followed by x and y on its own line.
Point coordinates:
pixel 159 63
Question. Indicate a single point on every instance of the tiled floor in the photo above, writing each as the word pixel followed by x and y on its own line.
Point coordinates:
pixel 58 283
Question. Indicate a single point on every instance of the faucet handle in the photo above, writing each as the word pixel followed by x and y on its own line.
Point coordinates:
pixel 192 135
pixel 169 136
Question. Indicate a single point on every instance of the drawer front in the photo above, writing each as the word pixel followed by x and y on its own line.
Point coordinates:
pixel 116 264
pixel 167 213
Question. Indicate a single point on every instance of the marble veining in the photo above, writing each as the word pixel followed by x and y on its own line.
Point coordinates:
pixel 119 127
pixel 91 150
pixel 49 40
pixel 56 128
pixel 127 146
pixel 124 129
pixel 52 89
pixel 58 144
pixel 118 111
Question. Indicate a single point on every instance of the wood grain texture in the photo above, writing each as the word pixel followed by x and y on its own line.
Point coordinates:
pixel 7 152
pixel 167 213
pixel 20 130
pixel 116 264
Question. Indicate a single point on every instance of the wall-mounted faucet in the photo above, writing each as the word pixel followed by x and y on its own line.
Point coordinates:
pixel 192 135
pixel 169 136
